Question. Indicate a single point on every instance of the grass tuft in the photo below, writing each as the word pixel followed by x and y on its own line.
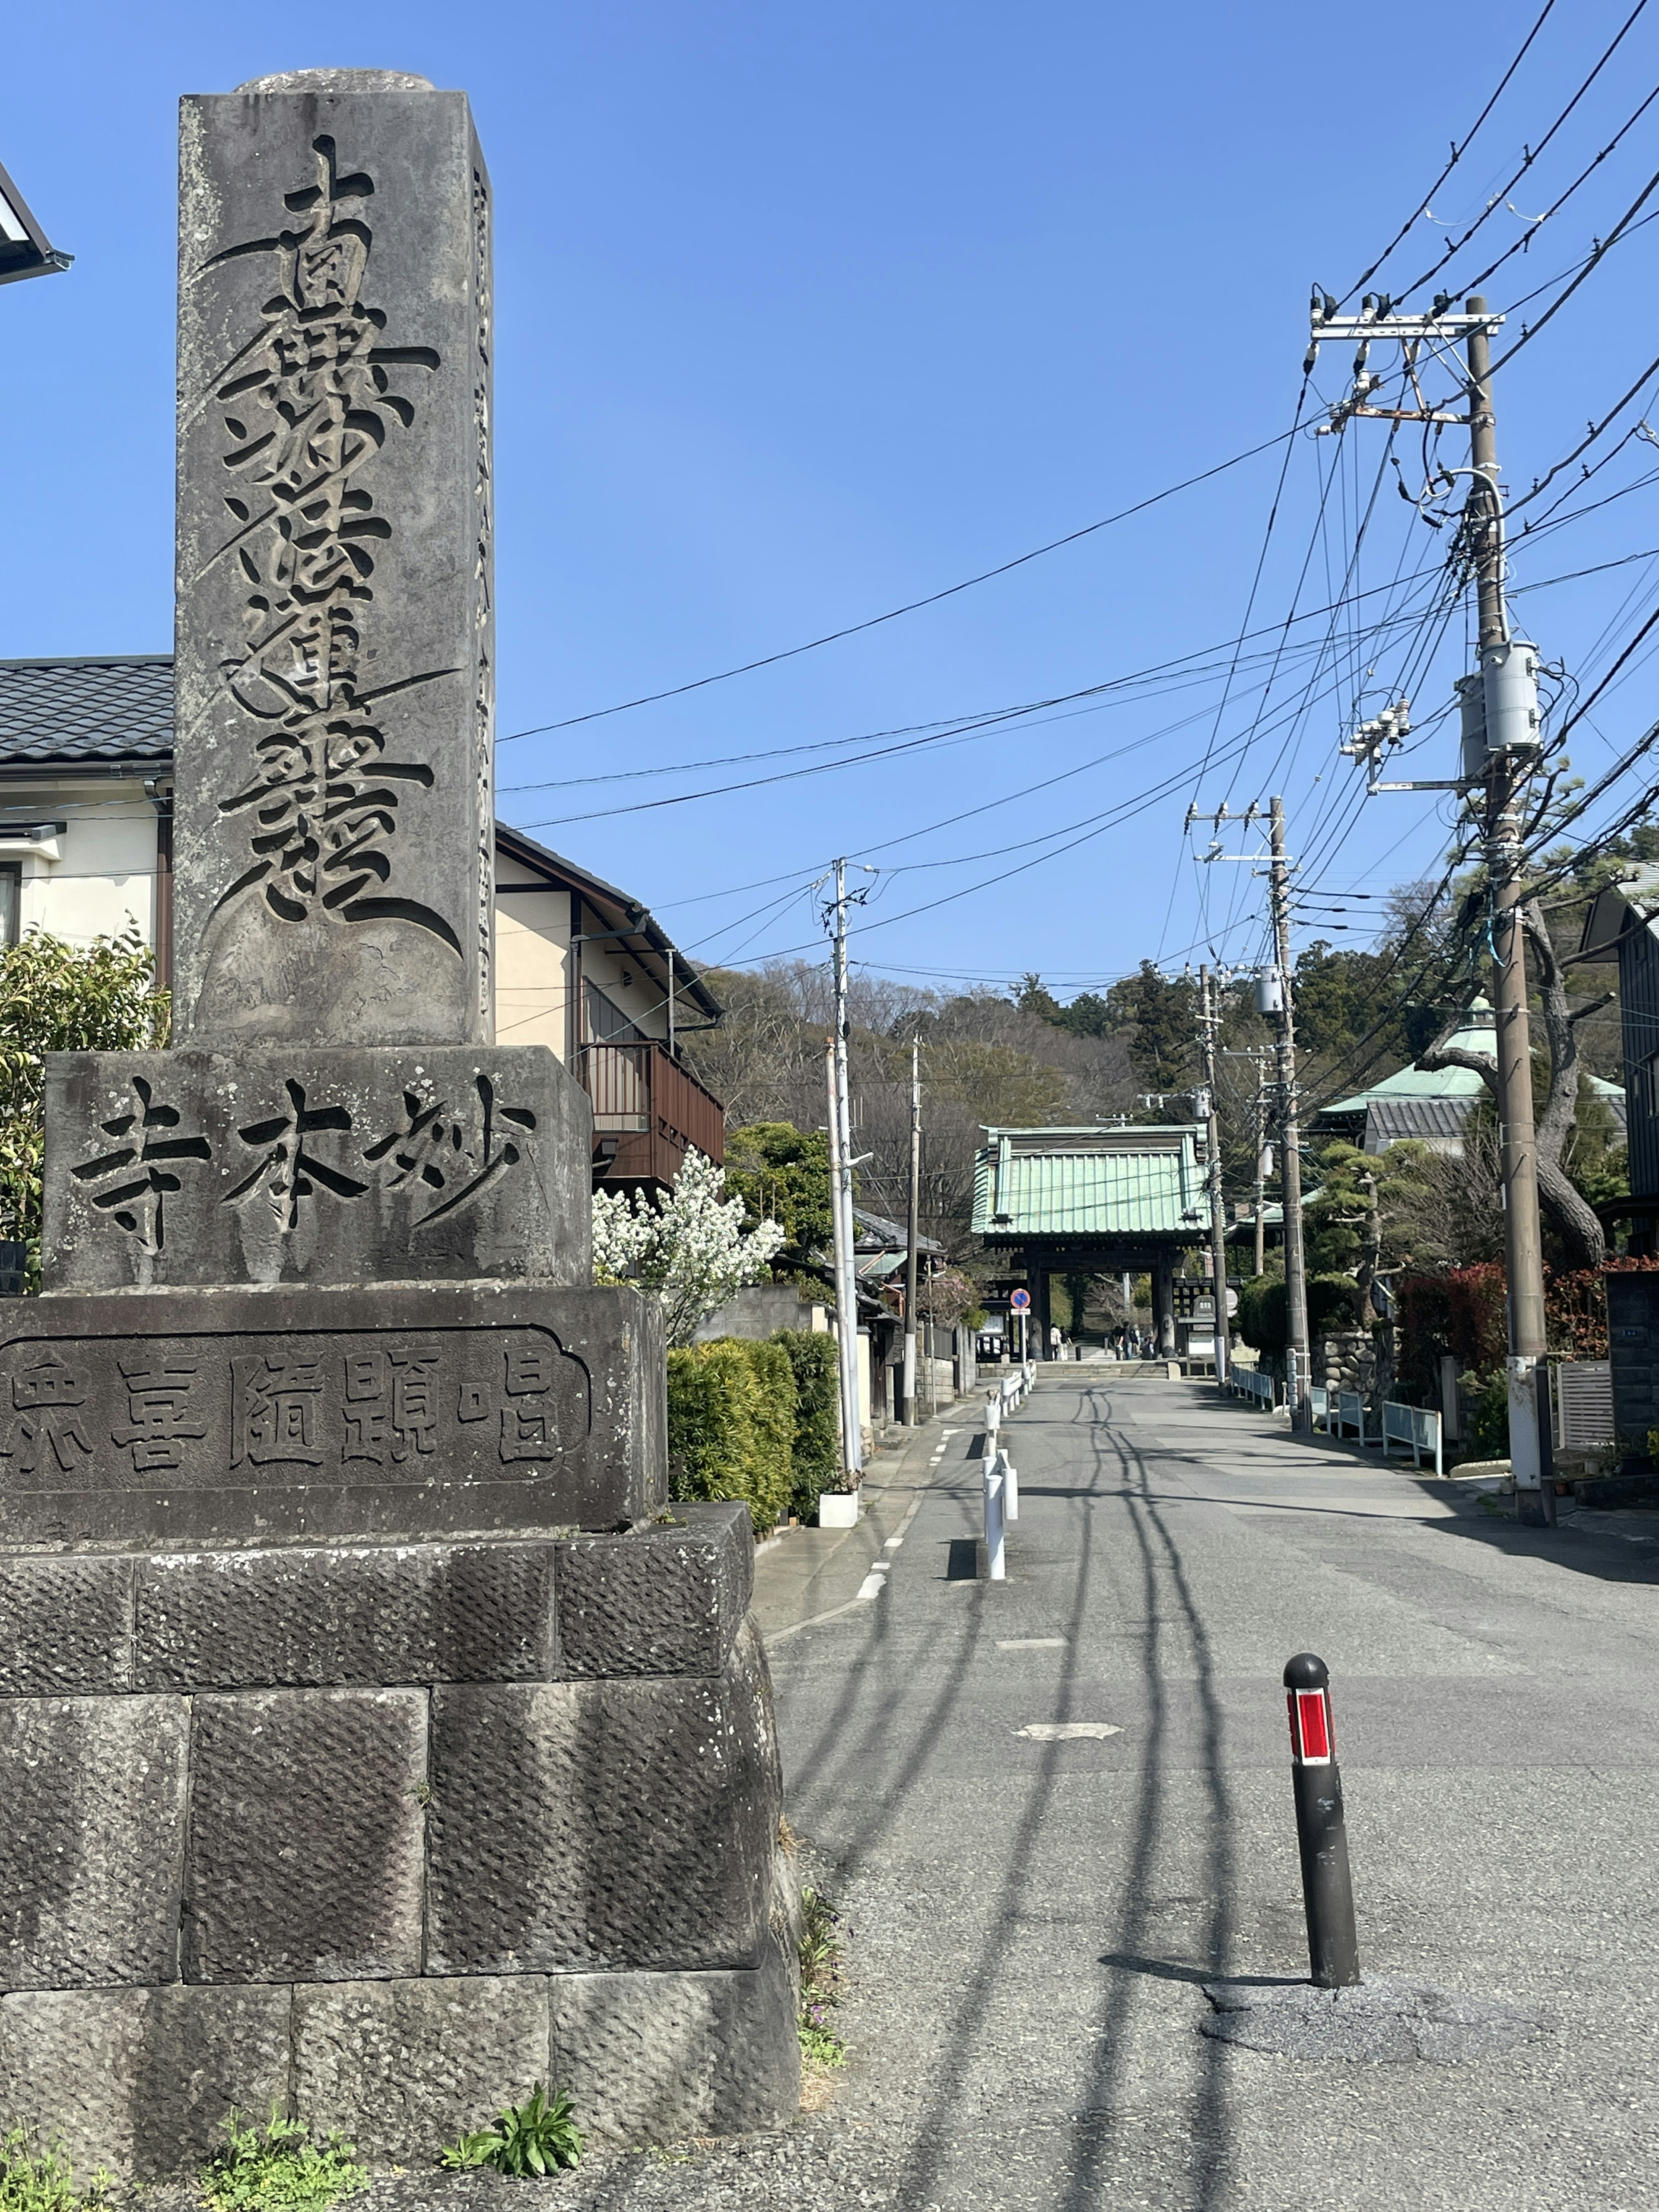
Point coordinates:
pixel 279 2168
pixel 820 1980
pixel 32 2179
pixel 529 2141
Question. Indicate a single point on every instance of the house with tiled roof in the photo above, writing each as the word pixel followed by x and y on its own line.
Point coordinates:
pixel 86 851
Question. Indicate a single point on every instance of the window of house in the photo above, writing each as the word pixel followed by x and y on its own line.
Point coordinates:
pixel 11 900
pixel 604 1021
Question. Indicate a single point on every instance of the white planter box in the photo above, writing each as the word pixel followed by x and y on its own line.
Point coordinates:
pixel 838 1509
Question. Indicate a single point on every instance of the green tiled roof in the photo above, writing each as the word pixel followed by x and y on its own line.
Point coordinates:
pixel 1086 1182
pixel 1476 1033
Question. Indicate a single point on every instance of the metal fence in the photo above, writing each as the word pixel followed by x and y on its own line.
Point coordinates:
pixel 1249 1382
pixel 1416 1426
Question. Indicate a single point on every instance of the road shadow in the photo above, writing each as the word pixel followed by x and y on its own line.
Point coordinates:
pixel 1580 1550
pixel 1166 1969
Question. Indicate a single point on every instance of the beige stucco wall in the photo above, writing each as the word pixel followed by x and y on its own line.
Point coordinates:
pixel 533 964
pixel 97 877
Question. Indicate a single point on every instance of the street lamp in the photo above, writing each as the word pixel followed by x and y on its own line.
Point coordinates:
pixel 23 248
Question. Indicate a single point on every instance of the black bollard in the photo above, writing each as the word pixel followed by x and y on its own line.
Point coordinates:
pixel 1327 1888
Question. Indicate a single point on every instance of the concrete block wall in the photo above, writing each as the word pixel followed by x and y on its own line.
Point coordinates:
pixel 385 1834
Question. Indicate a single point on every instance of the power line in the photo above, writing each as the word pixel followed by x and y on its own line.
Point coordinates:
pixel 1532 153
pixel 1457 154
pixel 911 606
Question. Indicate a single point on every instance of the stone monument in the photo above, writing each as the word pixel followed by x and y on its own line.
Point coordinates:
pixel 373 1739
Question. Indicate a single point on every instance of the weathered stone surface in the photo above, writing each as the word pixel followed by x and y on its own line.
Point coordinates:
pixel 140 2081
pixel 250 1416
pixel 334 810
pixel 380 1614
pixel 306 1836
pixel 647 2058
pixel 609 1825
pixel 65 1625
pixel 658 1601
pixel 92 1823
pixel 428 1164
pixel 402 2068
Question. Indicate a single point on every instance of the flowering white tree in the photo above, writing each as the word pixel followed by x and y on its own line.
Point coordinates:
pixel 690 1246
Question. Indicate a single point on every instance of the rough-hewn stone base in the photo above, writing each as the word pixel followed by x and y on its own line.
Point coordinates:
pixel 385 1834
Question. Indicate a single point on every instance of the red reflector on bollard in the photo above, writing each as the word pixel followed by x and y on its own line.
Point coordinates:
pixel 1313 1734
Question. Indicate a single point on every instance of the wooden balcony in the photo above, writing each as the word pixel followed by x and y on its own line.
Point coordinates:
pixel 648 1111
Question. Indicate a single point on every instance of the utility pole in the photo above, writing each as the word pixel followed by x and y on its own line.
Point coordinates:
pixel 1501 748
pixel 912 1228
pixel 1261 1162
pixel 840 1168
pixel 1290 1164
pixel 1218 1223
pixel 1508 700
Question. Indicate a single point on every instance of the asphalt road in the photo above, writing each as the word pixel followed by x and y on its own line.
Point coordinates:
pixel 1030 1920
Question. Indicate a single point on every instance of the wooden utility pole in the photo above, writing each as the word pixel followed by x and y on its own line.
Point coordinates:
pixel 1290 1165
pixel 1218 1222
pixel 912 1235
pixel 1509 698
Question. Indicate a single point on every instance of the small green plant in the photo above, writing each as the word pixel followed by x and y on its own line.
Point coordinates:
pixel 528 2141
pixel 820 1979
pixel 279 2168
pixel 32 2179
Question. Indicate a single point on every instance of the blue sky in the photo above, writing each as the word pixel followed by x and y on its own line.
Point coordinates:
pixel 803 314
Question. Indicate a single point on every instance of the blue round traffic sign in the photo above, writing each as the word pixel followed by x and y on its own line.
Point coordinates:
pixel 1020 1301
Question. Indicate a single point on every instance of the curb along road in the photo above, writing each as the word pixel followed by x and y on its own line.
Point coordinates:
pixel 807 1575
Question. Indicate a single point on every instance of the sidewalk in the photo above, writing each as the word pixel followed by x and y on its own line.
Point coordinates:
pixel 803 1576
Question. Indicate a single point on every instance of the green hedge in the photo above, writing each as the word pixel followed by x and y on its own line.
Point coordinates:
pixel 818 1417
pixel 732 1424
pixel 1263 1309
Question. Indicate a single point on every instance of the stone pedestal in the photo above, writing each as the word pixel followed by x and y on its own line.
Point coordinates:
pixel 384 1834
pixel 374 1741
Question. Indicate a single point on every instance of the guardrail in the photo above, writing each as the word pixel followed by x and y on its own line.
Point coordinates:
pixel 1351 1408
pixel 1414 1425
pixel 1250 1383
pixel 1319 1406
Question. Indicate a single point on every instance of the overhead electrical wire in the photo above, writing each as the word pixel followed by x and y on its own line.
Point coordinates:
pixel 911 606
pixel 1457 154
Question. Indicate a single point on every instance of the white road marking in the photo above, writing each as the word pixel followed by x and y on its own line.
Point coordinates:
pixel 871 1586
pixel 1031 1643
pixel 1065 1731
pixel 892 1543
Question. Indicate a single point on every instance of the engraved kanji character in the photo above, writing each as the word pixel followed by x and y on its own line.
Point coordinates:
pixel 274 1400
pixel 453 1156
pixel 139 1185
pixel 288 1170
pixel 157 1401
pixel 414 1402
pixel 46 1397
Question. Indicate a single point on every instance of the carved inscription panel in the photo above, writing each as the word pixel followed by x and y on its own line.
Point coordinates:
pixel 336 632
pixel 194 1167
pixel 251 1415
pixel 188 1410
